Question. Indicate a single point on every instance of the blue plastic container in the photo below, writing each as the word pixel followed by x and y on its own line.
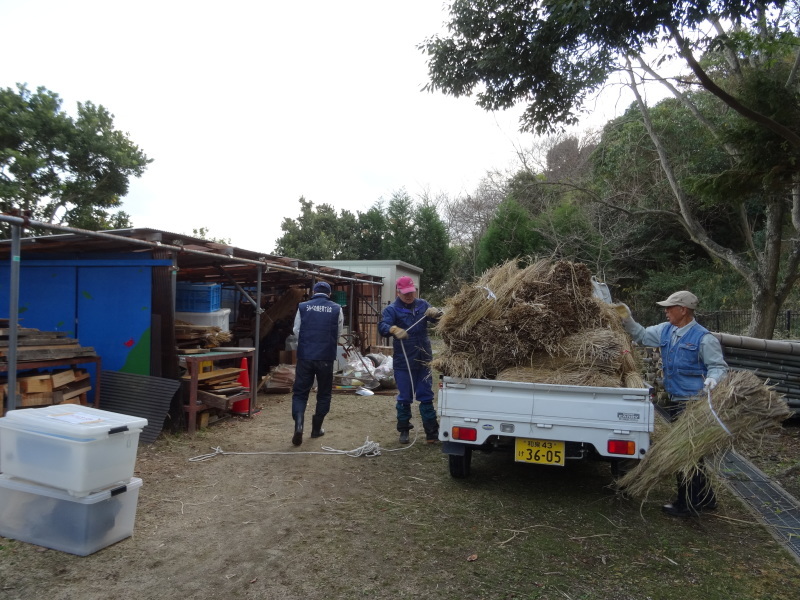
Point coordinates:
pixel 197 297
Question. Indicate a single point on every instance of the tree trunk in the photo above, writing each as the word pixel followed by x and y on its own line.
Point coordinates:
pixel 763 315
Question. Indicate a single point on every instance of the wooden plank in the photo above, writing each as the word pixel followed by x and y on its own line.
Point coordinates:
pixel 36 383
pixel 30 332
pixel 61 378
pixel 215 375
pixel 54 354
pixel 73 393
pixel 38 341
pixel 213 400
pixel 40 399
pixel 23 350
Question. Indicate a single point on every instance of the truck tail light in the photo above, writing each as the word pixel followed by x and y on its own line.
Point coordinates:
pixel 626 447
pixel 468 434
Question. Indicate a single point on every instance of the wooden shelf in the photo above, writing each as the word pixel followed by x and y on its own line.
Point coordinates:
pixel 200 400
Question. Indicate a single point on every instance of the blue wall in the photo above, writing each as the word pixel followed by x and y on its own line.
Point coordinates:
pixel 104 303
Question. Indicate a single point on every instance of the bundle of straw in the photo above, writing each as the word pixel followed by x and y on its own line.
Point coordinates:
pixel 521 317
pixel 744 406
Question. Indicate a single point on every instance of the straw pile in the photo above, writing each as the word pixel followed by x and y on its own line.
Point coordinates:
pixel 746 407
pixel 539 323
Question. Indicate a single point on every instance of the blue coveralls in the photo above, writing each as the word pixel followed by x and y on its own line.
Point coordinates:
pixel 410 362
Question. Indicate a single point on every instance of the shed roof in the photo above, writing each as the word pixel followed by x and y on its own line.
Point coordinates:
pixel 197 259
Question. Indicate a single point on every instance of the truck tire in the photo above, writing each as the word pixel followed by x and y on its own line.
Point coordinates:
pixel 460 465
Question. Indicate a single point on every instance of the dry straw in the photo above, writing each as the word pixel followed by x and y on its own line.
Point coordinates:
pixel 745 410
pixel 513 321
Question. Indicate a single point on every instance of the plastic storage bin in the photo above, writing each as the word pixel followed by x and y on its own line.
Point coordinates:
pixel 49 517
pixel 218 318
pixel 197 297
pixel 74 448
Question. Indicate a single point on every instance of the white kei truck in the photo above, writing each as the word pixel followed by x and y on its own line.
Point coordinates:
pixel 545 424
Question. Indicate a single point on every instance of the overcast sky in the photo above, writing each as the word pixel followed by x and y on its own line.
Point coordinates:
pixel 246 106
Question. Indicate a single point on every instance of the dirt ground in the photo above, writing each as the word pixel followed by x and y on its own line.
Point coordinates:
pixel 294 523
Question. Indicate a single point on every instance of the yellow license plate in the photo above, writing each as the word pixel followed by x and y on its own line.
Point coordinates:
pixel 540 452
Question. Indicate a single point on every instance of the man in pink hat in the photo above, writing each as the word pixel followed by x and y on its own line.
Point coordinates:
pixel 406 320
pixel 692 362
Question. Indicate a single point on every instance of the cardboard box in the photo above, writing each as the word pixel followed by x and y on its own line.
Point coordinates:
pixel 288 357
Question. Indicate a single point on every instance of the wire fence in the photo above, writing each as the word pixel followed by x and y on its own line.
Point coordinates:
pixel 733 322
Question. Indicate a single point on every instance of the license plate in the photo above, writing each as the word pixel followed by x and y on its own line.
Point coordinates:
pixel 540 452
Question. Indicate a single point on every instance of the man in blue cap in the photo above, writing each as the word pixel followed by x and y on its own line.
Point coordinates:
pixel 317 325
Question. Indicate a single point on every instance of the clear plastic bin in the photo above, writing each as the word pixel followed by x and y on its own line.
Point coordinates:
pixel 75 448
pixel 49 517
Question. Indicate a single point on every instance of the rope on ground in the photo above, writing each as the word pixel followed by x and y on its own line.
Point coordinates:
pixel 368 449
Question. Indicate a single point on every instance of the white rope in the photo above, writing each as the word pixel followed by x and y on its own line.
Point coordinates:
pixel 716 416
pixel 368 449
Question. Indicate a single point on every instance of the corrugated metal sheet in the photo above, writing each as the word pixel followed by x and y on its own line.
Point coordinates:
pixel 138 396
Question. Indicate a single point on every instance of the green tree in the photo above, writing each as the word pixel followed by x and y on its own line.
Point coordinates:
pixel 398 244
pixel 510 235
pixel 372 231
pixel 204 234
pixel 319 234
pixel 554 55
pixel 431 250
pixel 63 170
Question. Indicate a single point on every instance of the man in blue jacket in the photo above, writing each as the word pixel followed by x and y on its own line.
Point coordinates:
pixel 406 320
pixel 317 325
pixel 692 362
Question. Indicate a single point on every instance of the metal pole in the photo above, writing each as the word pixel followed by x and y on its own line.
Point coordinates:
pixel 13 317
pixel 257 344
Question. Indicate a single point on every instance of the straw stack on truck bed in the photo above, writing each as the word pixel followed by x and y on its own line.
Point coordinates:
pixel 541 324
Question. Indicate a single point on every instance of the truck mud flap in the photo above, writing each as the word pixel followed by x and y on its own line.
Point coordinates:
pixel 454 448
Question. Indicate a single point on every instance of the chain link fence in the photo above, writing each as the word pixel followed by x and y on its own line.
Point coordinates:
pixel 733 322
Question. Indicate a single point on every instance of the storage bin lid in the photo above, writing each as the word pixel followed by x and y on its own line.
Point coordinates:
pixel 20 485
pixel 72 421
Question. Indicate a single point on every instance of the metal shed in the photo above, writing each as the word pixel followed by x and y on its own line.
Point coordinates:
pixel 115 290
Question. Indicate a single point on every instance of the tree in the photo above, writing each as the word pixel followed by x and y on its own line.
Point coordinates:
pixel 318 234
pixel 510 235
pixel 372 231
pixel 467 218
pixel 554 55
pixel 431 247
pixel 398 244
pixel 204 234
pixel 63 170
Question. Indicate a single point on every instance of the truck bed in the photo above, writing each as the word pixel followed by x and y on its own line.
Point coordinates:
pixel 567 413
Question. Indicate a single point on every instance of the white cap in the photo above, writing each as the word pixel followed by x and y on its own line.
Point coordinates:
pixel 682 298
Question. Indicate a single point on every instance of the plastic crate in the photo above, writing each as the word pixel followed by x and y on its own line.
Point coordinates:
pixel 197 297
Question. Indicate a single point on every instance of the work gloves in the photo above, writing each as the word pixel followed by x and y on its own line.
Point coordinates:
pixel 398 332
pixel 709 384
pixel 622 310
pixel 433 312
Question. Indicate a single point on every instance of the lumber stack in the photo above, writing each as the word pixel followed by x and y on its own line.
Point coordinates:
pixel 219 388
pixel 68 386
pixel 189 336
pixel 280 379
pixel 35 345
